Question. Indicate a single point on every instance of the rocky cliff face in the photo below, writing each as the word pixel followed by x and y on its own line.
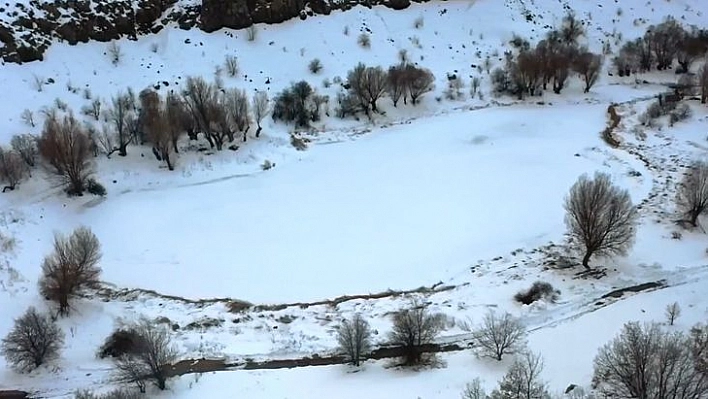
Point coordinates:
pixel 27 31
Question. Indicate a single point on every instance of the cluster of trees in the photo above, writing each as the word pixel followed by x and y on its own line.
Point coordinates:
pixel 529 70
pixel 363 88
pixel 660 46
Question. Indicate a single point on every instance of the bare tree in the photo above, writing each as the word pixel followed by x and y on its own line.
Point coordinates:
pixel 699 347
pixel 474 390
pixel 34 340
pixel 644 361
pixel 12 169
pixel 26 146
pixel 673 311
pixel 251 33
pixel 71 268
pixel 396 82
pixel 152 358
pixel 367 85
pixel 413 328
pixel 418 81
pixel 178 119
pixel 703 82
pixel 571 29
pixel 158 126
pixel 237 111
pixel 692 199
pixel 692 46
pixel 66 146
pixel 354 338
pixel 93 109
pixel 119 116
pixel 202 100
pixel 499 335
pixel 261 105
pixel 588 66
pixel 600 216
pixel 664 40
pixel 523 380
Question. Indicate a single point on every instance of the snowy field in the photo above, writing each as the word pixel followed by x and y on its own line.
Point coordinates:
pixel 468 193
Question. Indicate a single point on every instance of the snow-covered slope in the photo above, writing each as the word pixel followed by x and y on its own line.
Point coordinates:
pixel 468 193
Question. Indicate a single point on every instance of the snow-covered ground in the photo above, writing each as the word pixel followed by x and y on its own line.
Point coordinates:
pixel 468 193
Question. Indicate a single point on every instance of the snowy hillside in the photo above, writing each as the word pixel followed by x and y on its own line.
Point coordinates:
pixel 457 203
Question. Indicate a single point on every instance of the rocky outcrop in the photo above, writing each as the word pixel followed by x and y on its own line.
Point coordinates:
pixel 26 31
pixel 238 14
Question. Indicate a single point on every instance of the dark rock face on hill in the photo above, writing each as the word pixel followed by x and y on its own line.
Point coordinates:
pixel 27 31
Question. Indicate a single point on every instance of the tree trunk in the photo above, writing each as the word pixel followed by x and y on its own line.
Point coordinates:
pixel 258 132
pixel 586 259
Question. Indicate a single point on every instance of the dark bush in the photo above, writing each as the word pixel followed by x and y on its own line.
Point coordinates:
pixel 538 290
pixel 120 342
pixel 94 187
pixel 295 104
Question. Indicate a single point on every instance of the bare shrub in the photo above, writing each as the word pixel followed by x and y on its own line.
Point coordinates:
pixel 354 338
pixel 588 66
pixel 71 268
pixel 12 169
pixel 260 106
pixel 644 361
pixel 27 117
pixel 680 113
pixel 252 33
pixel 413 328
pixel 26 146
pixel 692 198
pixel 673 311
pixel 158 126
pixel 34 340
pixel 315 66
pixel 364 40
pixel 66 146
pixel 699 347
pixel 455 84
pixel 122 341
pixel 474 86
pixel 499 335
pixel 419 22
pixel 94 187
pixel 600 216
pixel 93 109
pixel 538 290
pixel 231 65
pixel 523 380
pixel 367 85
pixel 38 83
pixel 115 54
pixel 474 390
pixel 151 359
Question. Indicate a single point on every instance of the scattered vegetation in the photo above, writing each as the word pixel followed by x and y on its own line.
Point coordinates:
pixel 66 147
pixel 673 311
pixel 34 340
pixel 115 54
pixel 315 66
pixel 231 65
pixel 364 40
